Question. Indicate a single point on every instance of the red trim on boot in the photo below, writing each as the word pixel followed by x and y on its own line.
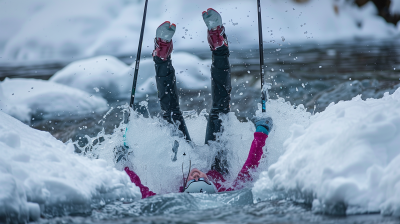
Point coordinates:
pixel 170 24
pixel 213 10
pixel 164 23
pixel 162 48
pixel 217 38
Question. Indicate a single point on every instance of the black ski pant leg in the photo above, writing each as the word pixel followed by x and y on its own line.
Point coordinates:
pixel 220 89
pixel 168 94
pixel 221 96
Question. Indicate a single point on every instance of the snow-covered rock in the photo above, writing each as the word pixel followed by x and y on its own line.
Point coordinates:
pixel 25 97
pixel 347 159
pixel 111 78
pixel 39 174
pixel 90 28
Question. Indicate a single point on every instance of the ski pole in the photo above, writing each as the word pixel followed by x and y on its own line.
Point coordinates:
pixel 123 149
pixel 138 58
pixel 261 48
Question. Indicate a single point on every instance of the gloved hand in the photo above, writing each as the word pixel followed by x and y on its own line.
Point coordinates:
pixel 263 125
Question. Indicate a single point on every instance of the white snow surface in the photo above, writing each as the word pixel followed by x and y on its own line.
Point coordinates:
pixel 108 77
pixel 395 7
pixel 100 75
pixel 22 98
pixel 66 30
pixel 39 173
pixel 348 155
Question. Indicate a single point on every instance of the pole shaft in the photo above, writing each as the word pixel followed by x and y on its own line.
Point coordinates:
pixel 139 51
pixel 261 49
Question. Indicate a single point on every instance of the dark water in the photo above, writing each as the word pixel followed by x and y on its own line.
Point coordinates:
pixel 231 207
pixel 313 75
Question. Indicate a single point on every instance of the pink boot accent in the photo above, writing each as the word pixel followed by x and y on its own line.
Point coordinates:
pixel 163 48
pixel 217 38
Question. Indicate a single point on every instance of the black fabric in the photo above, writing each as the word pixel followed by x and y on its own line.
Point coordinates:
pixel 221 95
pixel 220 89
pixel 167 94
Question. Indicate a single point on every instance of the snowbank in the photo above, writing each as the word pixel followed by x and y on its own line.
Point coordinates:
pixel 26 97
pixel 347 159
pixel 39 174
pixel 62 30
pixel 111 78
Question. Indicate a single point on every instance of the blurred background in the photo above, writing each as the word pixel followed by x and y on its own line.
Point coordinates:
pixel 64 64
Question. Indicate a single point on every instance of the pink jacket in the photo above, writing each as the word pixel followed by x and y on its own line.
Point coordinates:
pixel 253 159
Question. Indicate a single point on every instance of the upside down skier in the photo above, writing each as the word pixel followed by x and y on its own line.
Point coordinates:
pixel 198 181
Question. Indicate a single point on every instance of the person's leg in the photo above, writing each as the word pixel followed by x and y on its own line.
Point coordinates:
pixel 220 72
pixel 220 83
pixel 220 90
pixel 165 77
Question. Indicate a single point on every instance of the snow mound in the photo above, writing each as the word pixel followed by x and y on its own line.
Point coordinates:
pixel 100 75
pixel 26 97
pixel 112 79
pixel 85 29
pixel 39 174
pixel 347 160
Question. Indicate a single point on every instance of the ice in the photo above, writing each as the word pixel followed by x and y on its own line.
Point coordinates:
pixel 114 79
pixel 346 161
pixel 41 175
pixel 91 28
pixel 23 98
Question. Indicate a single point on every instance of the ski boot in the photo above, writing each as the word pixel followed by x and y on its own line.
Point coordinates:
pixel 216 31
pixel 163 44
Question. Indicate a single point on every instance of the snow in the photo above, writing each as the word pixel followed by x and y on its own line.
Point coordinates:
pixel 23 98
pixel 67 30
pixel 151 140
pixel 394 7
pixel 99 75
pixel 110 78
pixel 344 160
pixel 57 29
pixel 39 174
pixel 347 160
